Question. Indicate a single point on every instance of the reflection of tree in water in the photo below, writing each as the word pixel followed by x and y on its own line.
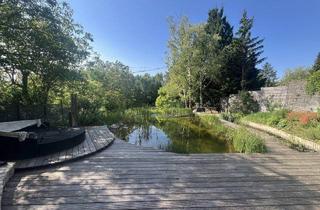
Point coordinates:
pixel 180 135
pixel 188 135
pixel 144 133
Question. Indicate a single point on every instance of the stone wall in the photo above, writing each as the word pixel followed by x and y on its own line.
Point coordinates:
pixel 293 97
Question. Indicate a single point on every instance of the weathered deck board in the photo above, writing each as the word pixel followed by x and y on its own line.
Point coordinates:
pixel 6 171
pixel 16 125
pixel 85 148
pixel 125 176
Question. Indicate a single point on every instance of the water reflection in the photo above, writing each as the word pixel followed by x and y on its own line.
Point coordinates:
pixel 180 135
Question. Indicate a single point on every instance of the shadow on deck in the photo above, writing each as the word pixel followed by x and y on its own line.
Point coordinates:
pixel 128 177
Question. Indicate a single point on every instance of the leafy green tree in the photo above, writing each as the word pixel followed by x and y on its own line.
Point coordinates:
pixel 296 74
pixel 316 66
pixel 40 39
pixel 268 74
pixel 249 49
pixel 313 81
pixel 179 59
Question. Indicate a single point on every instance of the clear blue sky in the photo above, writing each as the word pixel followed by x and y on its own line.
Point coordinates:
pixel 135 32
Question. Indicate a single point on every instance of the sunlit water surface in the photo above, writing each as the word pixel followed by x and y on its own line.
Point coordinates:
pixel 179 135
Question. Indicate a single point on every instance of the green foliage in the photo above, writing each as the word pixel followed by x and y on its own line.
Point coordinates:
pixel 249 51
pixel 217 25
pixel 297 74
pixel 213 122
pixel 231 117
pixel 242 140
pixel 244 104
pixel 168 97
pixel 173 112
pixel 246 142
pixel 268 118
pixel 269 75
pixel 313 83
pixel 39 39
pixel 272 106
pixel 316 66
pixel 279 119
pixel 206 61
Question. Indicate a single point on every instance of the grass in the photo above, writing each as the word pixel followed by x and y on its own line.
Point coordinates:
pixel 302 124
pixel 246 142
pixel 242 140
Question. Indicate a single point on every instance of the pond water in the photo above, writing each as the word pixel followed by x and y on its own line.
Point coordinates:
pixel 179 135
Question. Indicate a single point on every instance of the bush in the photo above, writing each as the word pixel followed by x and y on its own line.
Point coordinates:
pixel 246 142
pixel 304 118
pixel 283 123
pixel 244 104
pixel 87 118
pixel 231 117
pixel 275 118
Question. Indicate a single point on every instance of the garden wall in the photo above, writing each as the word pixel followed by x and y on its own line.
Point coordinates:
pixel 292 96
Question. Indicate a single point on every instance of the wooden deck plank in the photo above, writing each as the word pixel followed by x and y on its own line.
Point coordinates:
pixel 126 176
pixel 80 150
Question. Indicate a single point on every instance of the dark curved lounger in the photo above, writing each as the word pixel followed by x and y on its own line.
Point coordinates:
pixel 46 141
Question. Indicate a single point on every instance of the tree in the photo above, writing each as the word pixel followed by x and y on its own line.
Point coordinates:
pixel 179 61
pixel 268 75
pixel 40 40
pixel 218 26
pixel 316 66
pixel 296 74
pixel 250 49
pixel 313 81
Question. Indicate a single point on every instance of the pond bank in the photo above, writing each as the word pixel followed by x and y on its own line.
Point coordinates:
pixel 289 137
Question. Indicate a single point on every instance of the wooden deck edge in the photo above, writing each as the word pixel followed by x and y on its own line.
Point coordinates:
pixel 8 173
pixel 65 161
pixel 289 137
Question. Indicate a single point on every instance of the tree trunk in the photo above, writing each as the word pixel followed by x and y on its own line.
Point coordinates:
pixel 45 105
pixel 189 87
pixel 185 99
pixel 201 100
pixel 200 95
pixel 243 80
pixel 25 92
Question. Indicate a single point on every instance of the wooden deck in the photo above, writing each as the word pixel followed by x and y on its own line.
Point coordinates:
pixel 97 138
pixel 17 125
pixel 125 176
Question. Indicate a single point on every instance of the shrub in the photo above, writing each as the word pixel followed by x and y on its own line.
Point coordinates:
pixel 304 118
pixel 273 120
pixel 246 142
pixel 87 118
pixel 231 117
pixel 283 123
pixel 244 104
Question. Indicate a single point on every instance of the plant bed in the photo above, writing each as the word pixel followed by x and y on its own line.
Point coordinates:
pixel 305 125
pixel 289 137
